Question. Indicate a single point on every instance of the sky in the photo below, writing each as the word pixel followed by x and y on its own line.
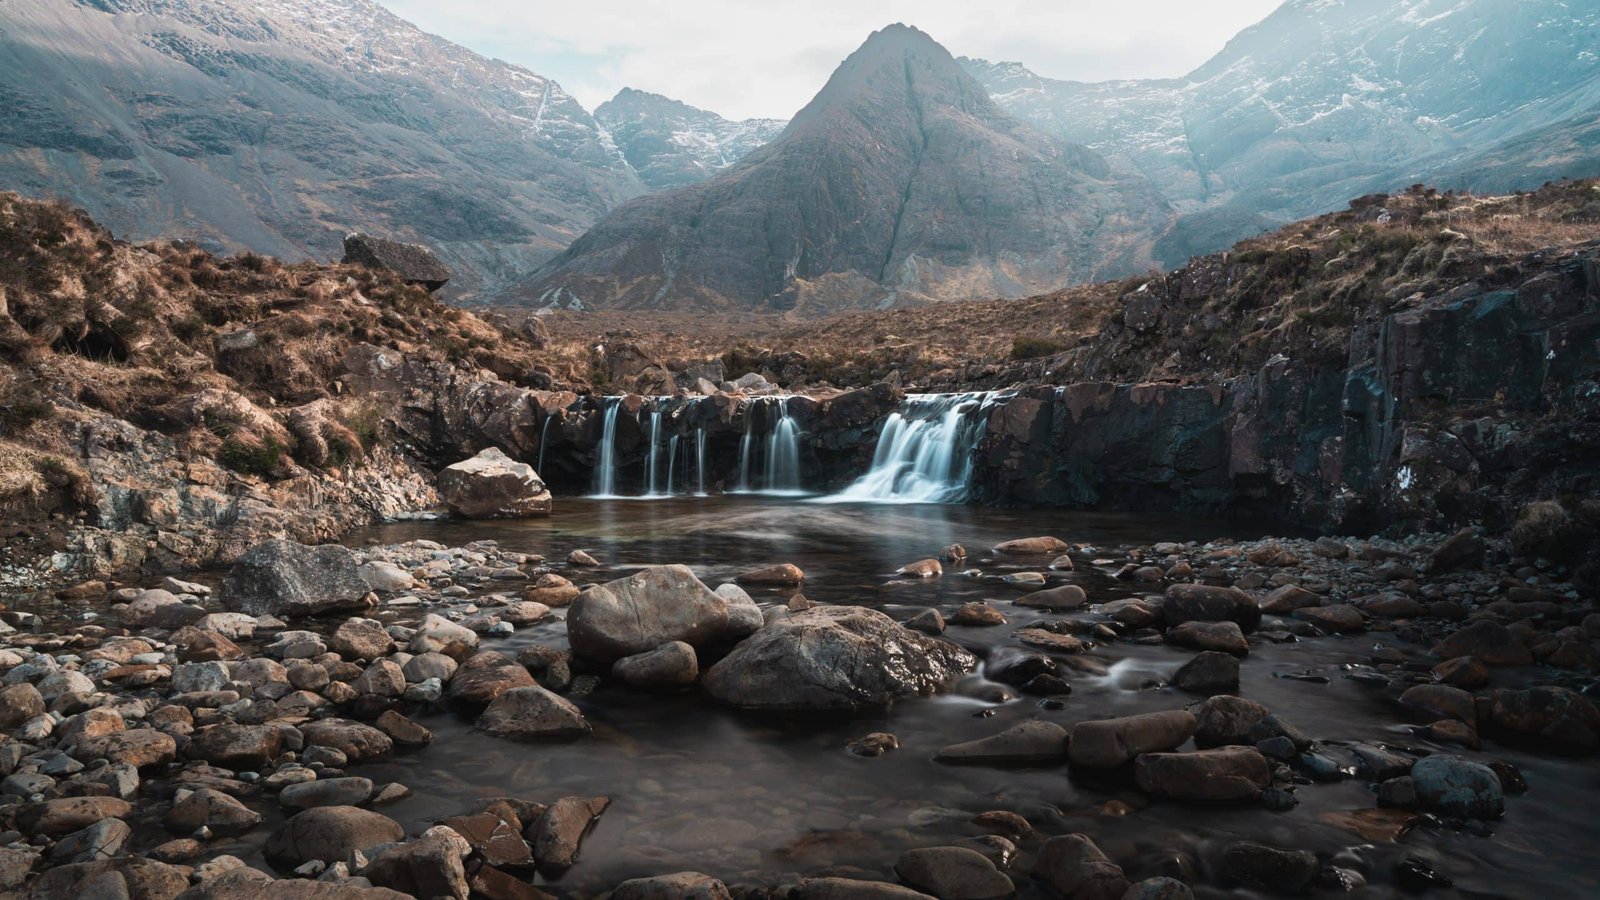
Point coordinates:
pixel 746 59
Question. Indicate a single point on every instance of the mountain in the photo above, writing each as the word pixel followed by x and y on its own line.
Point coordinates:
pixel 901 182
pixel 670 143
pixel 1325 100
pixel 281 125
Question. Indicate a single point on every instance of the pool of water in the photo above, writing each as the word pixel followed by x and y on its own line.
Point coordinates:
pixel 757 799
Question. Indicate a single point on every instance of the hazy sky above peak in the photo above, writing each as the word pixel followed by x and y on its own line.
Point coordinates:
pixel 744 59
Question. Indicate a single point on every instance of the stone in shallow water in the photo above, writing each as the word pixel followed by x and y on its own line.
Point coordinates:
pixel 283 578
pixel 329 833
pixel 1034 545
pixel 1458 787
pixel 1068 596
pixel 1270 868
pixel 672 664
pixel 1074 866
pixel 652 607
pixel 492 485
pixel 834 658
pixel 1027 743
pixel 1207 603
pixel 533 713
pixel 1209 672
pixel 1108 743
pixel 953 873
pixel 677 886
pixel 1221 775
pixel 1222 636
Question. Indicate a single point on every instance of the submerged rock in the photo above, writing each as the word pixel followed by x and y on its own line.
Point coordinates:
pixel 1458 787
pixel 1222 775
pixel 953 873
pixel 834 658
pixel 1108 743
pixel 672 664
pixel 330 834
pixel 1027 743
pixel 1074 866
pixel 533 713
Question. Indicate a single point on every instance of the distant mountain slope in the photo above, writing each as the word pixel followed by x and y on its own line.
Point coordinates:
pixel 900 183
pixel 670 143
pixel 1328 99
pixel 278 125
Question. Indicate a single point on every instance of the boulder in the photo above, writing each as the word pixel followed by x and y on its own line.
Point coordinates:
pixel 223 815
pixel 558 832
pixel 348 790
pixel 1458 787
pixel 1033 742
pixel 1208 603
pixel 1336 618
pixel 356 741
pixel 652 607
pixel 1209 672
pixel 1075 867
pixel 1270 868
pixel 492 485
pixel 533 713
pixel 1033 546
pixel 485 676
pixel 1067 596
pixel 677 886
pixel 922 568
pixel 361 639
pixel 1461 551
pixel 781 575
pixel 329 833
pixel 672 664
pixel 386 577
pixel 1488 642
pixel 234 746
pixel 437 634
pixel 1557 718
pixel 69 814
pixel 430 866
pixel 247 884
pixel 18 704
pixel 953 873
pixel 1108 743
pixel 413 263
pixel 1221 775
pixel 286 579
pixel 1226 719
pixel 853 889
pixel 834 658
pixel 1224 637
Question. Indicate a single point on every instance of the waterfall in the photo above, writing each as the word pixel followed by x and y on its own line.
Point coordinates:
pixel 783 454
pixel 672 465
pixel 605 471
pixel 700 460
pixel 745 445
pixel 650 462
pixel 544 434
pixel 925 452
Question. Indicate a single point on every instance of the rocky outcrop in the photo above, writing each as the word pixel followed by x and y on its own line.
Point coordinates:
pixel 286 579
pixel 834 658
pixel 414 263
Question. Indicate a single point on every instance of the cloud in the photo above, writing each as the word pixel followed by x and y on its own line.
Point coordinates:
pixel 744 59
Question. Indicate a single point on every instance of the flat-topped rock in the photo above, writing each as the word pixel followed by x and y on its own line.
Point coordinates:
pixel 414 263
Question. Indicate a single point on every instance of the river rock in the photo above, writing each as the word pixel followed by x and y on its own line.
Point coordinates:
pixel 105 839
pixel 558 832
pixel 953 873
pixel 356 741
pixel 358 639
pixel 247 884
pixel 386 577
pixel 424 666
pixel 1033 742
pixel 1442 701
pixel 1226 719
pixel 834 658
pixel 1224 637
pixel 1270 868
pixel 929 621
pixel 402 730
pixel 677 886
pixel 1108 743
pixel 69 814
pixel 533 713
pixel 286 579
pixel 853 889
pixel 486 675
pixel 1289 598
pixel 1033 546
pixel 1336 618
pixel 922 568
pixel 348 790
pixel 1209 672
pixel 430 866
pixel 1067 596
pixel 670 665
pixel 1560 719
pixel 781 575
pixel 1458 787
pixel 1207 603
pixel 136 747
pixel 653 607
pixel 977 614
pixel 18 704
pixel 1075 867
pixel 110 879
pixel 330 834
pixel 1220 775
pixel 235 746
pixel 222 814
pixel 437 634
pixel 492 485
pixel 1487 641
pixel 1461 551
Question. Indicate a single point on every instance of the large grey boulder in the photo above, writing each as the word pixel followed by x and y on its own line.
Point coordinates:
pixel 286 579
pixel 656 606
pixel 492 485
pixel 834 658
pixel 414 263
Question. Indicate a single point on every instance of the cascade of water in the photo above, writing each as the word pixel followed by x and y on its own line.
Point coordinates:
pixel 925 452
pixel 672 465
pixel 651 469
pixel 700 459
pixel 783 454
pixel 605 471
pixel 544 434
pixel 746 444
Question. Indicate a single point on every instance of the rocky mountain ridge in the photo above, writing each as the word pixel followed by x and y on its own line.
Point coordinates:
pixel 670 143
pixel 900 183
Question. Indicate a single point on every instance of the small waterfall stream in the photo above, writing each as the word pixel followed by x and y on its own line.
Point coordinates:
pixel 700 461
pixel 925 453
pixel 605 470
pixel 776 450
